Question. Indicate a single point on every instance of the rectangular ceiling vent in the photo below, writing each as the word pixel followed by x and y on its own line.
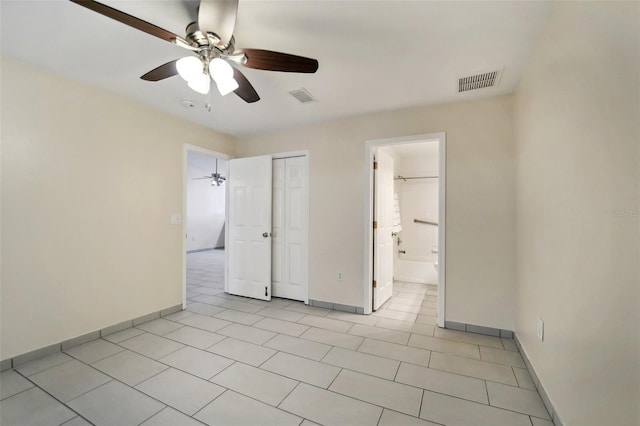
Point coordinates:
pixel 479 81
pixel 303 95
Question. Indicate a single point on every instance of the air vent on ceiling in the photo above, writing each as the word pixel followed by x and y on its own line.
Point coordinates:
pixel 303 95
pixel 479 81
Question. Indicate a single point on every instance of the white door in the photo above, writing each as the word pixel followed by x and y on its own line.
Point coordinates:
pixel 382 238
pixel 289 254
pixel 249 223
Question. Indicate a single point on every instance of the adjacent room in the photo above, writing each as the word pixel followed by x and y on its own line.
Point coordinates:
pixel 271 212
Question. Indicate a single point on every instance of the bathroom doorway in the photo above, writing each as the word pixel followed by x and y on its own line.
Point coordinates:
pixel 416 198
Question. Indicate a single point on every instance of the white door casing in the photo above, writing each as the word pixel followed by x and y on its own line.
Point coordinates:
pixel 249 224
pixel 382 234
pixel 289 242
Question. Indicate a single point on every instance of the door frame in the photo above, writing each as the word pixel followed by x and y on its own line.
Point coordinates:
pixel 280 155
pixel 185 152
pixel 368 215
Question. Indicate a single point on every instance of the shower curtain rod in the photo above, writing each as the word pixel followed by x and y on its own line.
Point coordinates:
pixel 404 178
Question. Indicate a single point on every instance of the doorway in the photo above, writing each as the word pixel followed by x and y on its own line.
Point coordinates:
pixel 204 223
pixel 415 193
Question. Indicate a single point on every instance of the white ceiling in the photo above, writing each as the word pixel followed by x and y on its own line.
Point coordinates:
pixel 374 55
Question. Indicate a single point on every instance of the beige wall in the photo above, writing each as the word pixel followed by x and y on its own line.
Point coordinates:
pixel 89 181
pixel 577 115
pixel 480 202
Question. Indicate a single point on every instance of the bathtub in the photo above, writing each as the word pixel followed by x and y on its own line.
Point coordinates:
pixel 406 269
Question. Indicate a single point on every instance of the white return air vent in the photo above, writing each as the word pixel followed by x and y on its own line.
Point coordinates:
pixel 303 95
pixel 479 81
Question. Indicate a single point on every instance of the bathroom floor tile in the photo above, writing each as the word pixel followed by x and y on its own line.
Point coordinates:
pixel 443 382
pixel 11 383
pixel 326 323
pixel 517 399
pixel 38 365
pixel 231 408
pixel 238 316
pixel 473 338
pixel 69 380
pixel 524 378
pixel 410 327
pixel 301 369
pixel 242 351
pixel 474 368
pixel 442 345
pixel 362 362
pixel 129 367
pixel 33 407
pixel 391 336
pixel 350 317
pixel 150 345
pixel 195 337
pixel 386 393
pixel 459 412
pixel 170 417
pixel 501 357
pixel 393 418
pixel 181 391
pixel 123 335
pixel 395 351
pixel 255 383
pixel 281 314
pixel 197 362
pixel 333 338
pixel 94 351
pixel 204 322
pixel 159 326
pixel 115 404
pixel 246 333
pixel 300 347
pixel 281 326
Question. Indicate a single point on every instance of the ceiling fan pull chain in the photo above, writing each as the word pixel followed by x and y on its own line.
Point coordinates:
pixel 207 98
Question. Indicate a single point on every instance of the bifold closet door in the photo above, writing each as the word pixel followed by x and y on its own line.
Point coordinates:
pixel 289 256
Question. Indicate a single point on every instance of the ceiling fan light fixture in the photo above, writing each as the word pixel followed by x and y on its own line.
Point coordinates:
pixel 190 68
pixel 227 86
pixel 200 84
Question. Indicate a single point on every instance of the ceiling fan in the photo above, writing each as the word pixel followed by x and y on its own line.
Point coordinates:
pixel 216 178
pixel 211 39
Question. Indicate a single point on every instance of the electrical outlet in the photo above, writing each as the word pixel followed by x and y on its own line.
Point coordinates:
pixel 339 276
pixel 540 330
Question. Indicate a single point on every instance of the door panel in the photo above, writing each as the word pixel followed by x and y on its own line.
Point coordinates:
pixel 383 240
pixel 290 197
pixel 249 220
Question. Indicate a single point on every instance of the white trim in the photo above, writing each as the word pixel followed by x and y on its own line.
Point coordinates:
pixel 185 150
pixel 368 215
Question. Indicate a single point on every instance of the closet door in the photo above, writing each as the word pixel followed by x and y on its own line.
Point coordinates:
pixel 249 230
pixel 289 242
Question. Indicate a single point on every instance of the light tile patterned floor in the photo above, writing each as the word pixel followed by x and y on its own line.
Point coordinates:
pixel 229 360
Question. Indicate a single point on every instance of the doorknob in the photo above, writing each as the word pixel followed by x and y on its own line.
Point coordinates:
pixel 265 234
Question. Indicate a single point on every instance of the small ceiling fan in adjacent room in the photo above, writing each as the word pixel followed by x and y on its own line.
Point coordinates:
pixel 211 41
pixel 216 178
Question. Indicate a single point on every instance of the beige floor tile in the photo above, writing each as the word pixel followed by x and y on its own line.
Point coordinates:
pixel 238 316
pixel 238 305
pixel 413 302
pixel 300 347
pixel 33 407
pixel 362 362
pixel 129 367
pixel 301 369
pixel 159 326
pixel 177 316
pixel 231 408
pixel 501 356
pixel 355 318
pixel 474 368
pixel 332 338
pixel 378 333
pixel 181 391
pixel 12 383
pixel 242 351
pixel 473 338
pixel 281 314
pixel 414 309
pixel 246 333
pixel 69 380
pixel 195 337
pixel 151 345
pixel 170 417
pixel 510 345
pixel 93 351
pixel 386 393
pixel 281 326
pixel 443 345
pixel 204 322
pixel 38 365
pixel 425 319
pixel 395 351
pixel 393 418
pixel 396 315
pixel 459 412
pixel 517 399
pixel 255 383
pixel 329 408
pixel 443 382
pixel 326 323
pixel 524 378
pixel 197 362
pixel 205 309
pixel 541 422
pixel 307 310
pixel 411 327
pixel 125 334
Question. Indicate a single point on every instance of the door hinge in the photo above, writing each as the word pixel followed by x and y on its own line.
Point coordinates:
pixel 265 292
pixel 374 284
pixel 375 165
pixel 375 224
